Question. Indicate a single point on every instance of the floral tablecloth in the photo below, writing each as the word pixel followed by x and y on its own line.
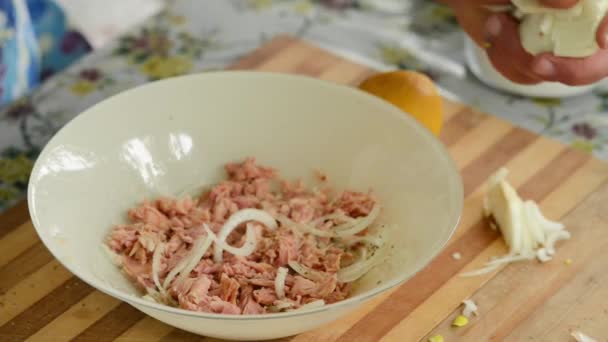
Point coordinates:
pixel 195 36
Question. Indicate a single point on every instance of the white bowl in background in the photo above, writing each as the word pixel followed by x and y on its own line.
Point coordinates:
pixel 479 63
pixel 163 137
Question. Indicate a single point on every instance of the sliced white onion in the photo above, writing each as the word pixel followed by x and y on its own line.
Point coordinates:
pixel 177 269
pixel 150 299
pixel 302 228
pixel 360 268
pixel 245 250
pixel 306 272
pixel 156 265
pixel 281 305
pixel 469 308
pixel 481 271
pixel 199 248
pixel 198 251
pixel 312 305
pixel 334 216
pixel 377 241
pixel 279 282
pixel 357 226
pixel 234 221
pixel 509 258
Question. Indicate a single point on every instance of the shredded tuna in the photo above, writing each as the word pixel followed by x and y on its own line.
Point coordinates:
pixel 244 284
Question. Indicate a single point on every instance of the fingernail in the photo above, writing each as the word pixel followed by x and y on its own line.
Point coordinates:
pixel 544 67
pixel 494 26
pixel 605 41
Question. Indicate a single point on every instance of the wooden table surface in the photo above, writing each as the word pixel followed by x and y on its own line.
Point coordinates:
pixel 41 300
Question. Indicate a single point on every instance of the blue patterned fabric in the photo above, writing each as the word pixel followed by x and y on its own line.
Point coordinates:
pixel 35 43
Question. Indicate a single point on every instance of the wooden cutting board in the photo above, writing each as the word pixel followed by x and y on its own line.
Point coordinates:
pixel 40 300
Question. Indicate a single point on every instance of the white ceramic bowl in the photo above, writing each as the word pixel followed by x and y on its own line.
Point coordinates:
pixel 165 136
pixel 482 68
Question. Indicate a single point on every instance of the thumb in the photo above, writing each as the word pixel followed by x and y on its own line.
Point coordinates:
pixel 505 51
pixel 602 34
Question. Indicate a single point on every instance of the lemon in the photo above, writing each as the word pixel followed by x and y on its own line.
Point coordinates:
pixel 412 92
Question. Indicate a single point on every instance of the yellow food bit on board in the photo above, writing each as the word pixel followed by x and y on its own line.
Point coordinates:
pixel 460 321
pixel 436 338
pixel 568 261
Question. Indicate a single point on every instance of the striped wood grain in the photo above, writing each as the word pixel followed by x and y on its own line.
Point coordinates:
pixel 41 301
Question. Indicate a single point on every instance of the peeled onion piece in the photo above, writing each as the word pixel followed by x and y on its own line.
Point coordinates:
pixel 233 222
pixel 505 207
pixel 526 231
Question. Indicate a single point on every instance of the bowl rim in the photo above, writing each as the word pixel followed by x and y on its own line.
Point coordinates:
pixel 455 182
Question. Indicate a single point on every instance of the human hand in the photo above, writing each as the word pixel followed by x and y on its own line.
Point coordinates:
pixel 498 33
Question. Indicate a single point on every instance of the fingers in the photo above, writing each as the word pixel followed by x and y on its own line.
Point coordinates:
pixel 559 3
pixel 505 50
pixel 572 71
pixel 602 34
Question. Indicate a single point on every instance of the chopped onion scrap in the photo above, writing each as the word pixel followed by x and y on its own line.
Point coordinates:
pixel 542 255
pixel 279 282
pixel 526 231
pixel 360 268
pixel 234 221
pixel 469 308
pixel 581 337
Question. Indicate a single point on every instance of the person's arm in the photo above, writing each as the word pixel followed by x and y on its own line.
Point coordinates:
pixel 498 33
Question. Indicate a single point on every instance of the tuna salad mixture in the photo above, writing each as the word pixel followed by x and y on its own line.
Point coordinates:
pixel 252 244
